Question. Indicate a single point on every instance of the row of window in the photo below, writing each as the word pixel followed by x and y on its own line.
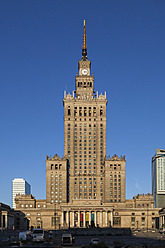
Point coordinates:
pixel 56 192
pixel 56 166
pixel 85 149
pixel 115 176
pixel 28 214
pixel 84 111
pixel 82 84
pixel 86 179
pixel 56 175
pixel 115 180
pixel 115 196
pixel 85 125
pixel 56 180
pixel 84 119
pixel 84 144
pixel 115 188
pixel 56 200
pixel 52 184
pixel 115 184
pixel 26 206
pixel 56 196
pixel 115 167
pixel 85 137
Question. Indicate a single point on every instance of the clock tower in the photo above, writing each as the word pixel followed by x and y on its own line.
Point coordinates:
pixel 84 80
pixel 85 134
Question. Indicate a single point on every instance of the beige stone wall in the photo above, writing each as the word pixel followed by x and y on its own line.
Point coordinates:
pixel 56 179
pixel 118 215
pixel 137 218
pixel 85 138
pixel 115 179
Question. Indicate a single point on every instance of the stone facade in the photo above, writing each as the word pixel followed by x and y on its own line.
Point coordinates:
pixel 86 188
pixel 137 213
pixel 162 219
pixel 114 179
pixel 11 219
pixel 56 179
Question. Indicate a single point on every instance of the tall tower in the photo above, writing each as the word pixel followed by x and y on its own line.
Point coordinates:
pixel 85 134
pixel 19 186
pixel 158 178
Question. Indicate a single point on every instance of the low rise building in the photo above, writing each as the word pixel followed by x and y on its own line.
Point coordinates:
pixel 11 219
pixel 137 213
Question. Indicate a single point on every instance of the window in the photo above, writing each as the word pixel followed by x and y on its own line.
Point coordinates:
pixel 117 221
pixel 143 220
pixel 133 219
pixel 69 112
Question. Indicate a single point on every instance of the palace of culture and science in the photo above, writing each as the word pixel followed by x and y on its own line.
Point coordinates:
pixel 85 188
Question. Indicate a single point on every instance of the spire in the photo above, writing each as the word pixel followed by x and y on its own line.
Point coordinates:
pixel 84 49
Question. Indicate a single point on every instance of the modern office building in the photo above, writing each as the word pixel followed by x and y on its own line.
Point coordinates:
pixel 158 178
pixel 86 187
pixel 19 186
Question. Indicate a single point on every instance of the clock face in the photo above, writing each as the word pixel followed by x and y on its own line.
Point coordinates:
pixel 84 71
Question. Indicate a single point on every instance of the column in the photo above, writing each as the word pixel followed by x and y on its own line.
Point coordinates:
pixel 1 220
pixel 84 219
pixel 73 219
pixel 89 218
pixel 106 218
pixel 111 218
pixel 78 218
pixel 67 218
pixel 162 220
pixel 62 218
pixel 101 219
pixel 95 219
pixel 6 221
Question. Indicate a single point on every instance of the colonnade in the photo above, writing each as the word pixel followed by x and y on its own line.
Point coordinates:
pixel 86 218
pixel 162 221
pixel 3 221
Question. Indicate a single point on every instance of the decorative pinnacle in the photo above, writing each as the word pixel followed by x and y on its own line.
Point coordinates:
pixel 84 37
pixel 84 49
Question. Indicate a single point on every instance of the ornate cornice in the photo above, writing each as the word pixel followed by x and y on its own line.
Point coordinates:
pixel 55 158
pixel 115 158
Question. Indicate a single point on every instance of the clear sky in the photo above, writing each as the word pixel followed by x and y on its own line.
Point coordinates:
pixel 40 46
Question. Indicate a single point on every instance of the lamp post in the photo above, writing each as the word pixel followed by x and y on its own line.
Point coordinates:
pixel 137 223
pixel 147 219
pixel 58 202
pixel 55 219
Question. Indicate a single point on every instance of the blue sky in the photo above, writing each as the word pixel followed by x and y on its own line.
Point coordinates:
pixel 40 47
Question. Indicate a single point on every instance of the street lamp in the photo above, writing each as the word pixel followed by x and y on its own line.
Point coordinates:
pixel 137 223
pixel 55 219
pixel 55 216
pixel 147 219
